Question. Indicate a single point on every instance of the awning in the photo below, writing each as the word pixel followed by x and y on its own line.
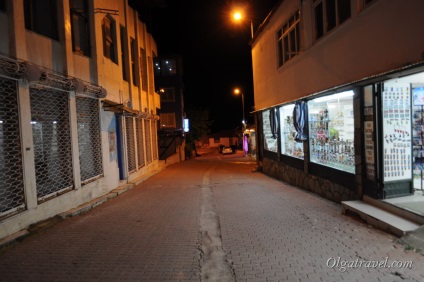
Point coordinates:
pixel 118 108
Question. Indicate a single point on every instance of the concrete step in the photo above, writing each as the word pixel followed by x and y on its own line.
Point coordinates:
pixel 379 218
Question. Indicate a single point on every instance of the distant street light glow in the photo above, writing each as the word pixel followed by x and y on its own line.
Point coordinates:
pixel 237 16
pixel 237 91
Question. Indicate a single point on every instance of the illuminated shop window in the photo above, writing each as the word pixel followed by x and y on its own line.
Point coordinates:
pixel 331 131
pixel 289 146
pixel 269 130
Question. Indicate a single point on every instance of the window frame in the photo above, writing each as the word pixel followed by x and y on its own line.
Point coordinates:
pixel 167 95
pixel 37 22
pixel 80 19
pixel 109 38
pixel 143 69
pixel 3 7
pixel 124 52
pixel 168 120
pixel 324 27
pixel 133 61
pixel 285 34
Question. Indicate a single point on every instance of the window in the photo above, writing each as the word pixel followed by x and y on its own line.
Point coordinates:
pixel 143 69
pixel 80 29
pixel 51 133
pixel 289 146
pixel 89 143
pixel 289 39
pixel 3 5
pixel 329 14
pixel 167 120
pixel 109 39
pixel 151 75
pixel 41 17
pixel 167 94
pixel 124 50
pixel 134 56
pixel 331 131
pixel 269 127
pixel 366 3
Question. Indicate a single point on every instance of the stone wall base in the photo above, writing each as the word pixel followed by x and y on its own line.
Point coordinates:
pixel 318 185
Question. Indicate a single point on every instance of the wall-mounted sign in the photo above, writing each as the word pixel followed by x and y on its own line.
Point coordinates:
pixel 186 125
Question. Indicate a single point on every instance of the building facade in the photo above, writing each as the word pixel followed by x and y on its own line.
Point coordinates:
pixel 170 86
pixel 338 89
pixel 78 110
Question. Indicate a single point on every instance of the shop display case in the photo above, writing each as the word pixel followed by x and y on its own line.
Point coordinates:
pixel 270 137
pixel 289 146
pixel 331 131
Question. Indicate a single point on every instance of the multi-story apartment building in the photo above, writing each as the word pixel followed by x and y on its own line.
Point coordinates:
pixel 77 105
pixel 339 96
pixel 170 86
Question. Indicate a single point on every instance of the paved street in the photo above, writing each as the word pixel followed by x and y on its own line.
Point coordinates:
pixel 211 218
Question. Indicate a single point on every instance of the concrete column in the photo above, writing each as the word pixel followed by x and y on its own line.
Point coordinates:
pixel 74 140
pixel 17 32
pixel 30 185
pixel 65 37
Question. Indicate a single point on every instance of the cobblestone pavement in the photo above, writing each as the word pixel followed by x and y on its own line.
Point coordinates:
pixel 211 218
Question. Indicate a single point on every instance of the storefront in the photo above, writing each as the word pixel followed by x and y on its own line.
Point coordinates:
pixel 365 139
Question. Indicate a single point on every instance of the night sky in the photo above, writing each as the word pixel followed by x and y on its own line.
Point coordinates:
pixel 216 54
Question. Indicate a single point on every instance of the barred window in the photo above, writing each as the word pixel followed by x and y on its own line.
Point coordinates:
pixel 129 122
pixel 140 143
pixel 289 39
pixel 52 141
pixel 11 172
pixel 89 143
pixel 148 138
pixel 155 139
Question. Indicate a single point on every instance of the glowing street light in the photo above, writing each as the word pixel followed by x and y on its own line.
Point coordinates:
pixel 238 17
pixel 237 91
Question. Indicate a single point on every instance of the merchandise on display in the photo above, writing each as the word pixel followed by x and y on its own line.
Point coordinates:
pixel 331 133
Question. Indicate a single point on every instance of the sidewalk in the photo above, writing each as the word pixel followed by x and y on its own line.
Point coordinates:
pixel 211 218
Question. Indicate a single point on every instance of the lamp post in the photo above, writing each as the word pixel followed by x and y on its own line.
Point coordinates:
pixel 238 17
pixel 237 91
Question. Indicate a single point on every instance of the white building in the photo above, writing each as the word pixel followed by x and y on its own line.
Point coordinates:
pixel 353 70
pixel 77 105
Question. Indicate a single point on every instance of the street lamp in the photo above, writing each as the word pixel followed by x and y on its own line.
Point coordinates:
pixel 238 17
pixel 237 91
